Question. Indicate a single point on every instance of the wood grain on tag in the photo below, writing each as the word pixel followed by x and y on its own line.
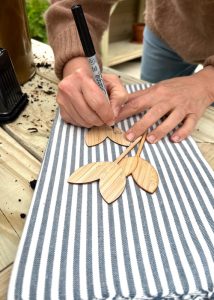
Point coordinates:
pixel 97 135
pixel 128 164
pixel 112 175
pixel 88 173
pixel 112 182
pixel 146 176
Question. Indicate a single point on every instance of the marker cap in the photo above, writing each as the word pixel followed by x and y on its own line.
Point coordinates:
pixel 83 31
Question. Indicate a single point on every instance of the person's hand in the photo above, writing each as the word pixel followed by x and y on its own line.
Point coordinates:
pixel 181 100
pixel 81 101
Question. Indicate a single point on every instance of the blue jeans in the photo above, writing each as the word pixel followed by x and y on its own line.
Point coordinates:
pixel 160 62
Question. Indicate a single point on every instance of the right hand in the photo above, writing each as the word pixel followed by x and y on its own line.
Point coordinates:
pixel 81 101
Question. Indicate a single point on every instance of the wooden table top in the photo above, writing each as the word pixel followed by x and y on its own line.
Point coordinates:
pixel 22 146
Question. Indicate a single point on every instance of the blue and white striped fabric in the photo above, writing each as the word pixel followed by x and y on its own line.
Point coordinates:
pixel 76 246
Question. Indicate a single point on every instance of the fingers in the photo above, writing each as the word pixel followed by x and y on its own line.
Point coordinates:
pixel 185 130
pixel 175 99
pixel 180 100
pixel 82 102
pixel 133 107
pixel 67 118
pixel 70 115
pixel 117 92
pixel 79 108
pixel 173 119
pixel 97 101
pixel 151 117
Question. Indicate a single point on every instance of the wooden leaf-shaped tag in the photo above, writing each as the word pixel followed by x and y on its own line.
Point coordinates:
pixel 128 164
pixel 117 130
pixel 117 136
pixel 88 173
pixel 95 136
pixel 112 182
pixel 146 176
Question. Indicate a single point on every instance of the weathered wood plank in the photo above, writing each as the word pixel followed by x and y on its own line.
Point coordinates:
pixel 44 60
pixel 4 281
pixel 9 240
pixel 207 150
pixel 204 130
pixel 32 128
pixel 17 169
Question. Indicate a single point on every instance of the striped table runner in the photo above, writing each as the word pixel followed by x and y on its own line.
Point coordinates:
pixel 76 246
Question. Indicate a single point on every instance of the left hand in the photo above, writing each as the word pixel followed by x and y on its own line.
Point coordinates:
pixel 182 100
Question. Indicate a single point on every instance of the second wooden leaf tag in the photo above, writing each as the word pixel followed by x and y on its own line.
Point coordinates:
pixel 97 135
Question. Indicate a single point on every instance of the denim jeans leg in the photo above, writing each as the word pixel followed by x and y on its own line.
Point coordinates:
pixel 160 62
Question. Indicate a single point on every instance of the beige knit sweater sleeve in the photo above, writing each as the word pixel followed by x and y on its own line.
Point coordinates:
pixel 62 33
pixel 209 61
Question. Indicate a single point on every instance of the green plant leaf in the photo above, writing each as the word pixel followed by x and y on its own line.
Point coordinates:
pixel 35 12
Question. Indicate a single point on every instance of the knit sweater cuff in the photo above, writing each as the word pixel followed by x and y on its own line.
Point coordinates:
pixel 67 46
pixel 209 61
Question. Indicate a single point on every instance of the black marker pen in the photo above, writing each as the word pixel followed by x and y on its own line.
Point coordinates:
pixel 88 46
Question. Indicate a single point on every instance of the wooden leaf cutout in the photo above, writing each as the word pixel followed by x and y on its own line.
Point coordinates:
pixel 117 130
pixel 95 136
pixel 128 164
pixel 117 136
pixel 88 173
pixel 112 182
pixel 146 176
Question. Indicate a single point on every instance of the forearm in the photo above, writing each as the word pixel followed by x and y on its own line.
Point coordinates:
pixel 77 63
pixel 62 33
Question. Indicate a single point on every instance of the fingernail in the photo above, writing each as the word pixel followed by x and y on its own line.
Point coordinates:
pixel 151 139
pixel 176 139
pixel 130 136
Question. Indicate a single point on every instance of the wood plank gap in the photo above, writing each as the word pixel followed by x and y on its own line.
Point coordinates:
pixel 25 146
pixel 5 268
pixel 9 223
